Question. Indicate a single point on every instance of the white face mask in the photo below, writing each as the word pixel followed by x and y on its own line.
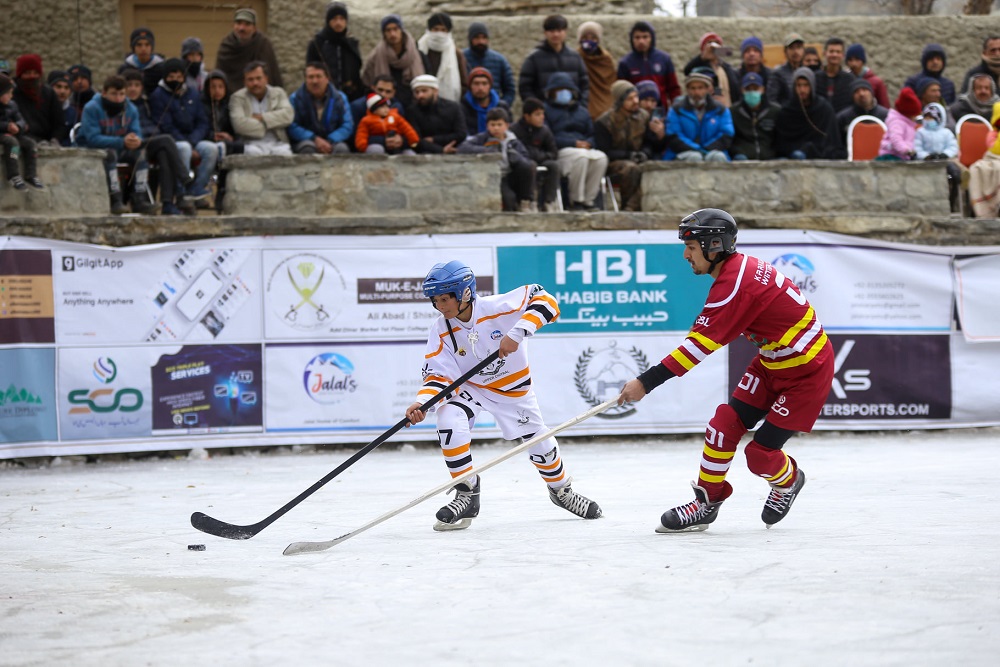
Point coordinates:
pixel 438 41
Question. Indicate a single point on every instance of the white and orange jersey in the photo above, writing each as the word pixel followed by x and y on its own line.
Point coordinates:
pixel 455 347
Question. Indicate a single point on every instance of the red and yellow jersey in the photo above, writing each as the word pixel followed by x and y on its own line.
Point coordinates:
pixel 752 298
pixel 455 347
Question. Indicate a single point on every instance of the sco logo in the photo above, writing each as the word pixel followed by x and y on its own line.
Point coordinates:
pixel 124 400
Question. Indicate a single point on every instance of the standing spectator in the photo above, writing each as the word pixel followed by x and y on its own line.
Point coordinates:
pixel 110 122
pixel 754 122
pixel 807 124
pixel 193 54
pixel 752 60
pixel 81 83
pixel 647 63
pixel 990 64
pixel 541 146
pixel 552 57
pixel 834 82
pixel 444 60
pixel 323 121
pixel 59 83
pixel 864 104
pixel 383 120
pixel 933 60
pixel 934 141
pixel 601 67
pixel 142 58
pixel 396 55
pixel 727 83
pixel 334 46
pixel 261 113
pixel 622 133
pixel 480 100
pixel 573 129
pixel 978 98
pixel 179 113
pixel 215 98
pixel 811 59
pixel 245 45
pixel 517 181
pixel 14 142
pixel 479 54
pixel 901 127
pixel 857 61
pixel 699 128
pixel 37 103
pixel 440 123
pixel 795 48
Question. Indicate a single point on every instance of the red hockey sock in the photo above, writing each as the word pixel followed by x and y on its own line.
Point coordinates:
pixel 722 437
pixel 774 465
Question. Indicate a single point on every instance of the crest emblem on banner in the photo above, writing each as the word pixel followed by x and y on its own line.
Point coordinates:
pixel 601 374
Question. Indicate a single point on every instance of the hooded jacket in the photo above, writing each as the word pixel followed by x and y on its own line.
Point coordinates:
pixel 44 117
pixel 217 112
pixel 99 130
pixel 543 63
pixel 181 116
pixel 503 74
pixel 152 71
pixel 937 141
pixel 687 132
pixel 947 85
pixel 811 129
pixel 569 123
pixel 335 124
pixel 754 129
pixel 654 65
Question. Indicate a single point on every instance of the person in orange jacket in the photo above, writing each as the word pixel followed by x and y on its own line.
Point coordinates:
pixel 383 121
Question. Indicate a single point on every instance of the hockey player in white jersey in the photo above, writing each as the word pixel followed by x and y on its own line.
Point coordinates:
pixel 471 328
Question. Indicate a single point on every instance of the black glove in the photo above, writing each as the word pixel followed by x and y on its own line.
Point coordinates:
pixel 638 156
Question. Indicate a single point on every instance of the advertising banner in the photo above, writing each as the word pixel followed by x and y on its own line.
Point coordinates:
pixel 27 395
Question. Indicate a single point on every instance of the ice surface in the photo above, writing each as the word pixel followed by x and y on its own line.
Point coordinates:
pixel 891 556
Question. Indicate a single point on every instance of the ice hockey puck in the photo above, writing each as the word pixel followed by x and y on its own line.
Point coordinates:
pixel 196 547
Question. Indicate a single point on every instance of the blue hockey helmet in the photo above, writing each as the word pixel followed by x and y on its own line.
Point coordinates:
pixel 453 277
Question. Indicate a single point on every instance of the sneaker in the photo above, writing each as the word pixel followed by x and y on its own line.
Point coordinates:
pixel 197 194
pixel 571 501
pixel 170 209
pixel 186 207
pixel 459 513
pixel 143 206
pixel 203 204
pixel 117 206
pixel 36 183
pixel 18 183
pixel 779 501
pixel 696 515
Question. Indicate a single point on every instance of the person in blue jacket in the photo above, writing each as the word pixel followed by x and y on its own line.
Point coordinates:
pixel 479 54
pixel 323 122
pixel 570 122
pixel 699 129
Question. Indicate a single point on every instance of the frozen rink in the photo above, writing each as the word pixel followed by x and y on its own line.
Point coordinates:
pixel 891 556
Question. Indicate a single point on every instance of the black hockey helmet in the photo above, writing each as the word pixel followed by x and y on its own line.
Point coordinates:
pixel 713 229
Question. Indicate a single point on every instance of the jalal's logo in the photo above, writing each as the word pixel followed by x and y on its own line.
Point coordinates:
pixel 305 291
pixel 328 377
pixel 600 376
pixel 105 399
pixel 799 270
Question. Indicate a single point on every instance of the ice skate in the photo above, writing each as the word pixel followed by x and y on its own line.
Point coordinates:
pixel 571 501
pixel 695 515
pixel 459 513
pixel 779 501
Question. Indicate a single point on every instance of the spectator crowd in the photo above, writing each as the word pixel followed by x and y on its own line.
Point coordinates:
pixel 586 116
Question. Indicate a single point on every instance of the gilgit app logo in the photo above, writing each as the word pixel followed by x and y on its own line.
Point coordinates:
pixel 328 377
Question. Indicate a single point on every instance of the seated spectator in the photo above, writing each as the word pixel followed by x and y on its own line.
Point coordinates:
pixel 901 127
pixel 622 133
pixel 795 50
pixel 649 99
pixel 857 63
pixel 439 123
pixel 726 83
pixel 647 63
pixel 552 57
pixel 517 181
pixel 541 146
pixel 984 176
pixel 479 54
pixel 81 83
pixel 978 99
pixel 444 60
pixel 573 129
pixel 754 120
pixel 480 99
pixel 382 120
pixel 193 54
pixel 602 70
pixel 396 55
pixel 936 142
pixel 833 81
pixel 807 125
pixel 37 103
pixel 752 57
pixel 929 92
pixel 261 114
pixel 811 59
pixel 245 45
pixel 323 122
pixel 699 128
pixel 385 86
pixel 59 83
pixel 15 141
pixel 334 46
pixel 215 99
pixel 110 122
pixel 142 58
pixel 933 60
pixel 990 64
pixel 864 104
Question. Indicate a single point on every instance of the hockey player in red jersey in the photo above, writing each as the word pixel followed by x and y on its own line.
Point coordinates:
pixel 469 329
pixel 786 384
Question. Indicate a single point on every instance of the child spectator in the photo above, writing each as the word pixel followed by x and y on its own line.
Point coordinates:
pixel 58 81
pixel 14 141
pixel 934 141
pixel 143 59
pixel 517 183
pixel 384 121
pixel 193 54
pixel 541 146
pixel 901 127
pixel 215 98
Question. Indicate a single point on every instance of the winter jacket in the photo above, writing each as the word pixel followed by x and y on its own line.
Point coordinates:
pixel 511 148
pixel 543 63
pixel 443 120
pixel 499 67
pixel 735 89
pixel 278 117
pixel 654 65
pixel 846 116
pixel 539 141
pixel 152 71
pixel 570 123
pixel 98 130
pixel 217 112
pixel 181 116
pixel 146 122
pixel 234 55
pixel 811 129
pixel 754 130
pixel 342 56
pixel 335 125
pixel 9 113
pixel 836 89
pixel 372 125
pixel 947 85
pixel 899 136
pixel 783 88
pixel 940 141
pixel 45 120
pixel 879 88
pixel 687 132
pixel 475 115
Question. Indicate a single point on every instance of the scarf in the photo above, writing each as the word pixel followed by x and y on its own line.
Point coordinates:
pixel 602 70
pixel 723 79
pixel 984 109
pixel 449 80
pixel 627 130
pixel 480 110
pixel 383 58
pixel 32 90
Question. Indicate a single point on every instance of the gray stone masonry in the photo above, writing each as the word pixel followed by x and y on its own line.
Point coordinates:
pixel 74 184
pixel 809 188
pixel 316 185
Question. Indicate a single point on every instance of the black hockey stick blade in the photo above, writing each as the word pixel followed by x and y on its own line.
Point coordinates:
pixel 231 531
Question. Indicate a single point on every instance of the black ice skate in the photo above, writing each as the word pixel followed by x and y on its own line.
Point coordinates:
pixel 571 501
pixel 459 513
pixel 696 515
pixel 779 501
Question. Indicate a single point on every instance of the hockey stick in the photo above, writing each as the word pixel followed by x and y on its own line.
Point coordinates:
pixel 207 524
pixel 311 547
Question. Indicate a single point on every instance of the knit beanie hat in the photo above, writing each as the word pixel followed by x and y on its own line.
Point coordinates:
pixel 173 65
pixel 477 72
pixel 6 85
pixel 57 75
pixel 80 72
pixel 648 89
pixel 336 9
pixel 374 100
pixel 751 42
pixel 439 18
pixel 700 74
pixel 908 103
pixel 26 63
pixel 425 81
pixel 860 83
pixel 620 89
pixel 192 45
pixel 857 52
pixel 478 28
pixel 141 33
pixel 390 18
pixel 709 37
pixel 590 26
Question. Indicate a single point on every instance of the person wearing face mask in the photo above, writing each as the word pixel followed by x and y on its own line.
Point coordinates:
pixel 990 64
pixel 935 142
pixel 444 60
pixel 977 99
pixel 602 70
pixel 479 54
pixel 38 103
pixel 754 119
pixel 573 129
pixel 811 59
pixel 340 51
pixel 193 54
pixel 699 129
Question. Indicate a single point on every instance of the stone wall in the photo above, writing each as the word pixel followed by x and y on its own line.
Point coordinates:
pixel 314 185
pixel 800 188
pixel 74 184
